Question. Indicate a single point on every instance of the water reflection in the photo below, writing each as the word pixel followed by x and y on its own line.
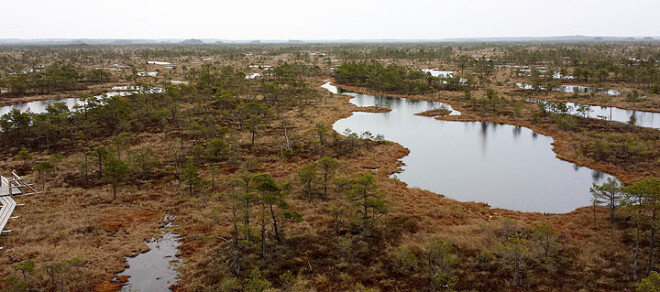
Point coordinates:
pixel 513 168
pixel 597 175
pixel 516 131
pixel 484 136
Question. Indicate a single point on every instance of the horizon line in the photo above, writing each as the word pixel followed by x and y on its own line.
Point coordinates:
pixel 594 37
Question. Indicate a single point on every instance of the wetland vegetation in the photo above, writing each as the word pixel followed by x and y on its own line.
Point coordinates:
pixel 404 179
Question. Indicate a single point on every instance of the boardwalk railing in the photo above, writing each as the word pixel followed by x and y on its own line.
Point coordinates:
pixel 21 187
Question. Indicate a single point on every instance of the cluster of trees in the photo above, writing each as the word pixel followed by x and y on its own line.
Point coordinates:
pixel 92 118
pixel 644 75
pixel 490 103
pixel 63 275
pixel 561 114
pixel 522 250
pixel 514 256
pixel 392 78
pixel 641 73
pixel 260 214
pixel 54 78
pixel 619 148
pixel 544 81
pixel 257 197
pixel 99 130
pixel 595 62
pixel 360 192
pixel 634 207
pixel 111 120
pixel 437 261
pixel 565 53
pixel 420 52
pixel 210 79
pixel 285 86
pixel 111 168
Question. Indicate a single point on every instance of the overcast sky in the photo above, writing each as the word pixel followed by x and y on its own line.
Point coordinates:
pixel 326 19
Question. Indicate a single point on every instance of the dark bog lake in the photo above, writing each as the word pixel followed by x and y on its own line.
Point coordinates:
pixel 503 165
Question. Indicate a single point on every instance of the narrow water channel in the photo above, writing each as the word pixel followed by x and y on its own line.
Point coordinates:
pixel 154 270
pixel 503 165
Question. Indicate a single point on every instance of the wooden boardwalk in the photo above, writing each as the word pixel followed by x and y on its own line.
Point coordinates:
pixel 8 203
pixel 12 187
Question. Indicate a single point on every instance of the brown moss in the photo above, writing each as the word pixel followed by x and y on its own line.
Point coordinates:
pixel 108 286
pixel 373 109
pixel 435 112
pixel 120 219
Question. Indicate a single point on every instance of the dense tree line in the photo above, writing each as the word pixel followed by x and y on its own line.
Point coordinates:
pixel 422 52
pixel 392 78
pixel 595 63
pixel 54 78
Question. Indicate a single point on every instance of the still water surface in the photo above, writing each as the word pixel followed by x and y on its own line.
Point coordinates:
pixel 154 270
pixel 610 113
pixel 505 166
